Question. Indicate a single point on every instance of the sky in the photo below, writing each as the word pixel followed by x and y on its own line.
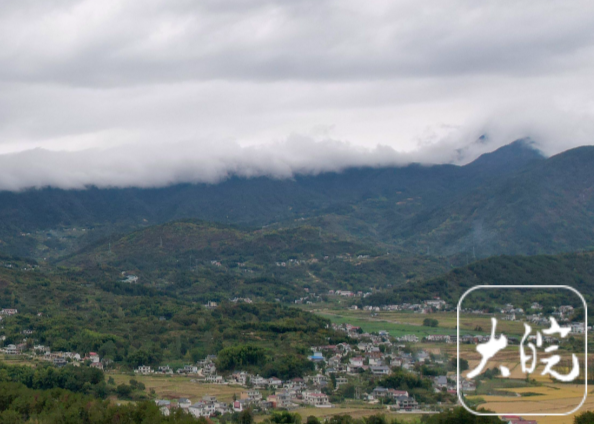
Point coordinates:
pixel 146 93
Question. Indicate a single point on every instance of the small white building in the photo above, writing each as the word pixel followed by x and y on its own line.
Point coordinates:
pixel 144 370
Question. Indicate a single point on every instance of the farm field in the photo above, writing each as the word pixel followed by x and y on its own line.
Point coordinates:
pixel 175 387
pixel 401 323
pixel 552 397
pixel 17 360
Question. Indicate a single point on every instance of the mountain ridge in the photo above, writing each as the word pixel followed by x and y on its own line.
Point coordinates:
pixel 444 210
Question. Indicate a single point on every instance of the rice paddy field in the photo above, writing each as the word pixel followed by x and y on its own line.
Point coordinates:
pixel 556 398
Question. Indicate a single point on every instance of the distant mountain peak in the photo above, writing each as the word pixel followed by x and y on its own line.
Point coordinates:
pixel 510 157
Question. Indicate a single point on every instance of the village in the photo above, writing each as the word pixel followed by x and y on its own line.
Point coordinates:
pixel 336 366
pixel 373 357
pixel 363 363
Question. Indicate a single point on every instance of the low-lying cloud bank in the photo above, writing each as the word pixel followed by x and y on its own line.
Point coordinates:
pixel 157 165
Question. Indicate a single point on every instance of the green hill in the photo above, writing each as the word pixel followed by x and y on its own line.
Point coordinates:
pixel 511 201
pixel 135 325
pixel 545 208
pixel 377 204
pixel 208 261
pixel 573 269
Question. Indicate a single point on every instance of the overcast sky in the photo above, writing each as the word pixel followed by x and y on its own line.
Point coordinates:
pixel 153 92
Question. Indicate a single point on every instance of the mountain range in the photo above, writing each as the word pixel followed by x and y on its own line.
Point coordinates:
pixel 511 201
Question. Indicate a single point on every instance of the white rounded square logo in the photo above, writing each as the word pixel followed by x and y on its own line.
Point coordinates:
pixel 517 346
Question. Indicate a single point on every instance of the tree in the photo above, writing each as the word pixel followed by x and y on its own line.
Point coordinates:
pixel 584 418
pixel 284 417
pixel 10 417
pixel 108 350
pixel 246 417
pixel 123 390
pixel 430 322
pixel 237 356
pixel 463 364
pixel 401 379
pixel 376 419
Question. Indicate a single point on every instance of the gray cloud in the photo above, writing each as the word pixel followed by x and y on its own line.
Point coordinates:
pixel 155 41
pixel 152 92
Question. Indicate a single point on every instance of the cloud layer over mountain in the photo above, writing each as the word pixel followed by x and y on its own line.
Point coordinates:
pixel 152 92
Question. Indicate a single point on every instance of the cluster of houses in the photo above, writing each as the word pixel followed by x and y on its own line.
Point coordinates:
pixel 241 299
pixel 58 359
pixel 342 359
pixel 206 407
pixel 424 307
pixel 27 267
pixel 290 262
pixel 382 337
pixel 348 293
pixel 288 395
pixel 190 370
pixel 561 314
pixel 309 299
pixel 339 361
pixel 205 368
pixel 355 332
pixel 13 349
pixel 379 354
pixel 442 382
pixel 399 399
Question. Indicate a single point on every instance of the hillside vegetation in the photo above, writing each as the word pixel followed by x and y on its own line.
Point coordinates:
pixel 208 261
pixel 573 269
pixel 438 210
pixel 139 325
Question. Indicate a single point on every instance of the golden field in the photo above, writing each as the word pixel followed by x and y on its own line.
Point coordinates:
pixel 553 397
pixel 175 387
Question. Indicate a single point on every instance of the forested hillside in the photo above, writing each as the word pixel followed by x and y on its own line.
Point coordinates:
pixel 379 205
pixel 573 269
pixel 209 261
pixel 137 325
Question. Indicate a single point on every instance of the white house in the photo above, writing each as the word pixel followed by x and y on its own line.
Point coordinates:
pixel 316 399
pixel 144 370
